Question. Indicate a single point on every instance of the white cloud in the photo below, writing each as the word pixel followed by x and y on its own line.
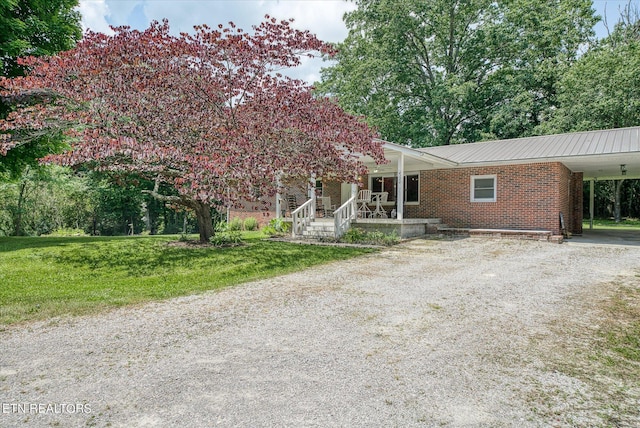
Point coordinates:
pixel 321 17
pixel 94 15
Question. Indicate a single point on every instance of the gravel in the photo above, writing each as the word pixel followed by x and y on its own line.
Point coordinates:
pixel 427 333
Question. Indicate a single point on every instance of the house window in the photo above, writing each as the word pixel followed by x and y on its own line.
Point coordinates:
pixel 389 184
pixel 384 184
pixel 483 188
pixel 412 188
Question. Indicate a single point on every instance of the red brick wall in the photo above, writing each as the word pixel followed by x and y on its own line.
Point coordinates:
pixel 333 190
pixel 529 196
pixel 263 212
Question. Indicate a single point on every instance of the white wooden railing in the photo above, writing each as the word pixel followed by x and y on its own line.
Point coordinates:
pixel 343 216
pixel 303 216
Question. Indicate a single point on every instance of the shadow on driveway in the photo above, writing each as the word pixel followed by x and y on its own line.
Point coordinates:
pixel 624 237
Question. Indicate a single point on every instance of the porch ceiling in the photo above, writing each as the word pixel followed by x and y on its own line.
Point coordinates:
pixel 605 167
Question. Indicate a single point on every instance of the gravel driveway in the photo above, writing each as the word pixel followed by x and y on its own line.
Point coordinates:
pixel 427 333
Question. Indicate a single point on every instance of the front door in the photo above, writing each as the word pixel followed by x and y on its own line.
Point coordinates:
pixel 345 192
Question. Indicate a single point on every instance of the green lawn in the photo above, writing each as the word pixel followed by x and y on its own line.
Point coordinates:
pixel 44 277
pixel 626 224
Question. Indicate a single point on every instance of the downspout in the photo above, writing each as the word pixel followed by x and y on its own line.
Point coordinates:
pixel 591 202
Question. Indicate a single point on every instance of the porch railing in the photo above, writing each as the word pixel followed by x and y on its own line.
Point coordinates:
pixel 343 216
pixel 303 216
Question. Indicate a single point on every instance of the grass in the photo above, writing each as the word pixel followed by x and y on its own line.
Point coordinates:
pixel 47 277
pixel 606 223
pixel 603 351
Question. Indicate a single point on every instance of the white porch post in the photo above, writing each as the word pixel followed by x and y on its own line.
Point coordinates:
pixel 354 194
pixel 591 199
pixel 278 197
pixel 312 194
pixel 400 188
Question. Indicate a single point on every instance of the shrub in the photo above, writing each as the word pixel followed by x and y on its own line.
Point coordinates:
pixel 250 223
pixel 276 227
pixel 221 226
pixel 353 236
pixel 226 239
pixel 360 236
pixel 235 224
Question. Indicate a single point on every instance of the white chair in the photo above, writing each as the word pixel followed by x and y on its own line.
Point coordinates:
pixel 325 206
pixel 363 200
pixel 379 199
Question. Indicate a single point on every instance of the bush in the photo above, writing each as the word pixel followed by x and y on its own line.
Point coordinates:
pixel 276 227
pixel 250 223
pixel 360 236
pixel 226 239
pixel 235 224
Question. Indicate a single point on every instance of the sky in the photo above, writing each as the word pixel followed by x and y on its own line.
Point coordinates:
pixel 322 17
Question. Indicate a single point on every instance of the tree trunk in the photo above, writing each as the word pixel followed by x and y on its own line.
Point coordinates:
pixel 617 216
pixel 17 221
pixel 205 222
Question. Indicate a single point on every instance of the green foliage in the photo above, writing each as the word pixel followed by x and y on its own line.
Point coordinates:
pixel 48 277
pixel 277 227
pixel 601 91
pixel 50 198
pixel 356 235
pixel 227 238
pixel 442 72
pixel 43 200
pixel 235 224
pixel 250 223
pixel 33 27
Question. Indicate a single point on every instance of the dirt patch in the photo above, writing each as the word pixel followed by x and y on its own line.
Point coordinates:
pixel 596 344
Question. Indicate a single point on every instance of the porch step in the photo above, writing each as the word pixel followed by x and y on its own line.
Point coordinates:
pixel 320 229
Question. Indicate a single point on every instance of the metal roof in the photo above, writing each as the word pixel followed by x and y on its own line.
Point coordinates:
pixel 595 153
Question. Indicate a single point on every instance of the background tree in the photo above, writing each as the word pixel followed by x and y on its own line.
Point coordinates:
pixel 448 71
pixel 207 114
pixel 40 28
pixel 602 91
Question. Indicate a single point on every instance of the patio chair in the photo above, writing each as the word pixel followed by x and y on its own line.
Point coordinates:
pixel 325 206
pixel 379 199
pixel 363 199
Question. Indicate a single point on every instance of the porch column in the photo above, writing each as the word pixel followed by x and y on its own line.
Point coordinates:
pixel 400 188
pixel 354 195
pixel 312 195
pixel 591 198
pixel 278 197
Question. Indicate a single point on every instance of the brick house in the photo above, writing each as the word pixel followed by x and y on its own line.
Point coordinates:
pixel 519 184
